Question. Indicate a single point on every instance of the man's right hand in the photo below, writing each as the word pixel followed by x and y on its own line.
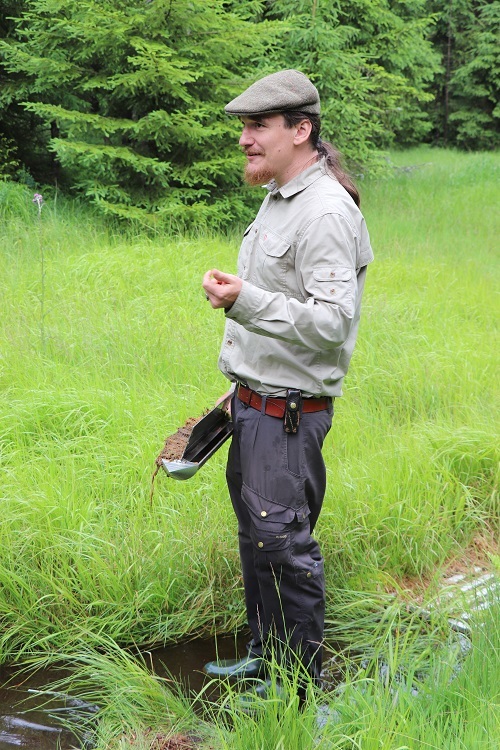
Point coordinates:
pixel 221 289
pixel 225 400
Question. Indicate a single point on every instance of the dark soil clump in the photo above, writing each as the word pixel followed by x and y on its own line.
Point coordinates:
pixel 175 444
pixel 159 741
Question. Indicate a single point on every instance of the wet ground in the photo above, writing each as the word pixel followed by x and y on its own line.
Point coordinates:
pixel 24 721
pixel 29 720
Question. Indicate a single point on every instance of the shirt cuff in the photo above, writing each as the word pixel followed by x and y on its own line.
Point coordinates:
pixel 246 303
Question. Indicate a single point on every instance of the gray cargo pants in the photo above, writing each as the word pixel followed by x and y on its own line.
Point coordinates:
pixel 277 484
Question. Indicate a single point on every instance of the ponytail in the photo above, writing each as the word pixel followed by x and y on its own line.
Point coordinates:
pixel 325 149
pixel 334 164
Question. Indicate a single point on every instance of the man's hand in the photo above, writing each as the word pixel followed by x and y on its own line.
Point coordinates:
pixel 222 289
pixel 225 400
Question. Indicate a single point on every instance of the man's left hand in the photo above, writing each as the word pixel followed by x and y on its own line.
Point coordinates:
pixel 222 289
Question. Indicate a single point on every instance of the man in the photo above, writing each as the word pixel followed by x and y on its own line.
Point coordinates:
pixel 292 316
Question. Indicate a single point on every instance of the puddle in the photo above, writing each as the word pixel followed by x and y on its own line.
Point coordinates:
pixel 184 662
pixel 24 716
pixel 30 720
pixel 27 720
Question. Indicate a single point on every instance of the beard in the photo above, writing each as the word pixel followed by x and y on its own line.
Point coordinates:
pixel 255 177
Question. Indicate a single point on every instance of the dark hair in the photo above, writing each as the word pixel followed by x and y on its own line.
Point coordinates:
pixel 324 148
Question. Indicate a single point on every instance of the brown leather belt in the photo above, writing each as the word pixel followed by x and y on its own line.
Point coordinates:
pixel 275 407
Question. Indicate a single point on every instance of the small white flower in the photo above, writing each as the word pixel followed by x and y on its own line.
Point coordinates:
pixel 38 199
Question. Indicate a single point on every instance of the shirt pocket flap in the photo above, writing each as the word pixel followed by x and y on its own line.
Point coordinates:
pixel 272 244
pixel 328 273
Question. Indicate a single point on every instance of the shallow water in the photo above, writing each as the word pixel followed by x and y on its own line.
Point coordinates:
pixel 29 720
pixel 26 720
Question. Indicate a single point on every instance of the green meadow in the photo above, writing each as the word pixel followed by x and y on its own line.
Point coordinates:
pixel 108 345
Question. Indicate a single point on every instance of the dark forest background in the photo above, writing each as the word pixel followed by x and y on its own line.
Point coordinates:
pixel 122 103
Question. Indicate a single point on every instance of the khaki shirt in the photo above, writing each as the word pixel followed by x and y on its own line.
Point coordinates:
pixel 303 265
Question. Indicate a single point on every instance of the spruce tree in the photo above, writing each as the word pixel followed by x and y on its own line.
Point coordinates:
pixel 466 111
pixel 15 127
pixel 131 96
pixel 372 64
pixel 475 84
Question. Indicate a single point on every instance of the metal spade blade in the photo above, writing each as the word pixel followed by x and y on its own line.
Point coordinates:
pixel 206 438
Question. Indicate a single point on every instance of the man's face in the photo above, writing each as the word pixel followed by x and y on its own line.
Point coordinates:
pixel 269 148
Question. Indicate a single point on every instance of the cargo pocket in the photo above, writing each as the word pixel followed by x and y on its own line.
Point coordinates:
pixel 336 284
pixel 307 568
pixel 272 524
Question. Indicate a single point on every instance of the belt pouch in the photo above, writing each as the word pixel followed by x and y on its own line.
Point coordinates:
pixel 293 408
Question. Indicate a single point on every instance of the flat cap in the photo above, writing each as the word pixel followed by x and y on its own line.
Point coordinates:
pixel 279 92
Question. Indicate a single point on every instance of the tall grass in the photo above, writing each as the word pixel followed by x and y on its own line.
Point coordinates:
pixel 413 462
pixel 130 351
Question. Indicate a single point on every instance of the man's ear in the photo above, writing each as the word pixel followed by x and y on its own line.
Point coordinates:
pixel 302 132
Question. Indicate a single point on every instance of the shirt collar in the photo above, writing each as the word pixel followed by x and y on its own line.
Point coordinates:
pixel 299 182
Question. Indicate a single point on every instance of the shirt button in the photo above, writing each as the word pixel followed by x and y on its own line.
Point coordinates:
pixel 309 575
pixel 263 513
pixel 332 291
pixel 229 342
pixel 332 274
pixel 260 544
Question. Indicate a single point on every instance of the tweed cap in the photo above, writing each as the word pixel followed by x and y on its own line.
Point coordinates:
pixel 279 92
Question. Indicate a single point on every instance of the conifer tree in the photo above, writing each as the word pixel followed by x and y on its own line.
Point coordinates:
pixel 123 102
pixel 475 84
pixel 132 98
pixel 372 64
pixel 467 91
pixel 14 121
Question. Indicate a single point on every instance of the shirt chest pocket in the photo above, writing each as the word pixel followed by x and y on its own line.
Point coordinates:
pixel 336 284
pixel 272 260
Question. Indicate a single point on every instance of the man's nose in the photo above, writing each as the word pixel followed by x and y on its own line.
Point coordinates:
pixel 245 138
